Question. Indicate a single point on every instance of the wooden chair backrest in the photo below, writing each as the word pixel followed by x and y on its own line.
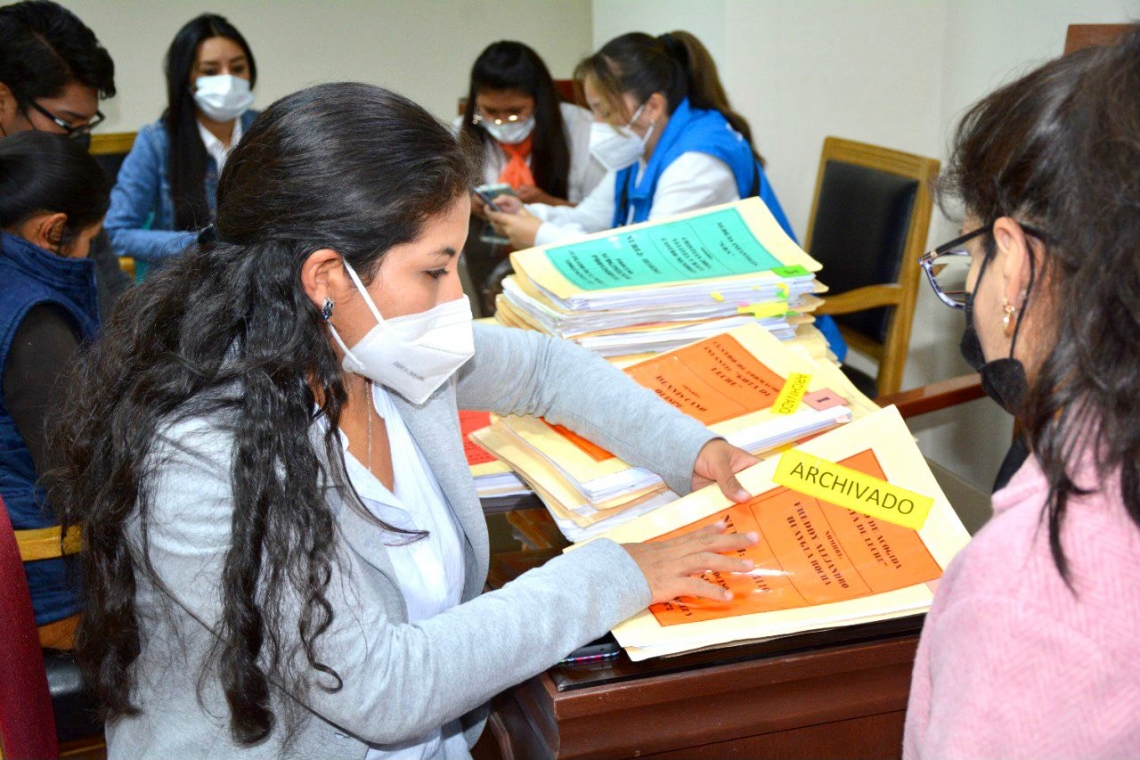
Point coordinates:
pixel 901 295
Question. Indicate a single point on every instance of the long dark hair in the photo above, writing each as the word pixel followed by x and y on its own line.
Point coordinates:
pixel 229 328
pixel 510 65
pixel 1059 149
pixel 676 64
pixel 187 153
pixel 42 172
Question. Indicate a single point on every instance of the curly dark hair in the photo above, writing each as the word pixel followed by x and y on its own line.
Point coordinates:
pixel 228 327
pixel 1060 149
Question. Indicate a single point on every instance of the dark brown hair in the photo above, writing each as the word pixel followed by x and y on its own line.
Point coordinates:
pixel 188 157
pixel 675 64
pixel 1059 149
pixel 511 65
pixel 228 328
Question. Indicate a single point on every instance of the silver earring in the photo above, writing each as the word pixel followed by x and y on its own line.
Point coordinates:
pixel 326 309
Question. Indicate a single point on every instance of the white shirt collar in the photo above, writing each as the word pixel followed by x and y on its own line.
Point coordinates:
pixel 214 147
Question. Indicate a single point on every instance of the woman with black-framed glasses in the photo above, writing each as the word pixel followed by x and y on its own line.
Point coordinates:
pixel 1030 649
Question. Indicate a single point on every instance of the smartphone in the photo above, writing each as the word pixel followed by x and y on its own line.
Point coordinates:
pixel 486 198
pixel 488 193
pixel 598 650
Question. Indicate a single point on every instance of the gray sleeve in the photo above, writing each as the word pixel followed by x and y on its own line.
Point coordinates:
pixel 524 372
pixel 399 680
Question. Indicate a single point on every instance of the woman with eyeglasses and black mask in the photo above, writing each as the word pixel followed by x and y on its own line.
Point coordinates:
pixel 284 553
pixel 52 200
pixel 1030 649
pixel 167 186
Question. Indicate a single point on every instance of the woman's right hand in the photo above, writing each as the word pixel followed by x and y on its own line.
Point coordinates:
pixel 509 204
pixel 671 567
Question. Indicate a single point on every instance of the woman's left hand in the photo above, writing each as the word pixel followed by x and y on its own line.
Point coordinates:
pixel 519 228
pixel 718 462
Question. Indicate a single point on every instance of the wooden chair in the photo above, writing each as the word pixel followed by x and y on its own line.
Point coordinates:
pixel 868 226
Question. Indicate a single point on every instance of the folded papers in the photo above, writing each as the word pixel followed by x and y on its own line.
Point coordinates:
pixel 817 565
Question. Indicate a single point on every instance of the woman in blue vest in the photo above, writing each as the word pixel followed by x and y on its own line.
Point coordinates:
pixel 664 129
pixel 167 186
pixel 52 200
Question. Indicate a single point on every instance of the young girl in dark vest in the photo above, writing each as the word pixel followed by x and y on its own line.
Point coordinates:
pixel 52 200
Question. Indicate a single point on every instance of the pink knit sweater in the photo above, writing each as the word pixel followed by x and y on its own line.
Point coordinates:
pixel 1011 662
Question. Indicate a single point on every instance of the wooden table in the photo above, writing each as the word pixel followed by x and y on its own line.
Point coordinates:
pixel 835 694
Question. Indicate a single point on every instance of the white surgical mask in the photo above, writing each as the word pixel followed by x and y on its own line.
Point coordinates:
pixel 509 132
pixel 415 354
pixel 618 147
pixel 223 97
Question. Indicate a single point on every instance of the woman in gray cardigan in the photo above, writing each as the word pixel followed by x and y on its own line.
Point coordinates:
pixel 284 551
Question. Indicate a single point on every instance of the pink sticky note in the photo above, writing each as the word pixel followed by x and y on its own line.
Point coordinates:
pixel 823 399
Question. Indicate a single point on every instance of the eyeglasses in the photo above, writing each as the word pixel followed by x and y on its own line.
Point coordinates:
pixel 948 266
pixel 514 118
pixel 72 132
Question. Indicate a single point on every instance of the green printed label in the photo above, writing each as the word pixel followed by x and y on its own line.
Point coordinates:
pixel 714 245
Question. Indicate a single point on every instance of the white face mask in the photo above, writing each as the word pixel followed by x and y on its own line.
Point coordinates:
pixel 509 132
pixel 223 97
pixel 618 147
pixel 415 354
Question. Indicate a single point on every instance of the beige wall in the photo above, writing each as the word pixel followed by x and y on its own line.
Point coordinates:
pixel 891 72
pixel 421 48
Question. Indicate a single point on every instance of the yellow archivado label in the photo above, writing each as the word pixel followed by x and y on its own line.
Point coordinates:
pixel 791 394
pixel 851 489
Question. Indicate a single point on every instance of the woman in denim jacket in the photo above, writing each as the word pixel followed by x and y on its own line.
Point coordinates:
pixel 167 186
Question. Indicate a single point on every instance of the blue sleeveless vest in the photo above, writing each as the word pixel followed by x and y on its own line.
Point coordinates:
pixel 694 130
pixel 30 276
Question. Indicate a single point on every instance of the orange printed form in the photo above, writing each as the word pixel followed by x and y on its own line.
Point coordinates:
pixel 713 381
pixel 810 552
pixel 817 564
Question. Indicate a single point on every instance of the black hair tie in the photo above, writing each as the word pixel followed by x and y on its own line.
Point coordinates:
pixel 207 235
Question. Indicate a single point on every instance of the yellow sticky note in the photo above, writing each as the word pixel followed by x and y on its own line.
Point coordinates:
pixel 851 489
pixel 717 296
pixel 762 310
pixel 782 291
pixel 791 394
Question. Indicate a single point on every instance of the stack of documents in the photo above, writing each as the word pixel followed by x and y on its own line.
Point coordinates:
pixel 492 477
pixel 653 287
pixel 853 529
pixel 745 385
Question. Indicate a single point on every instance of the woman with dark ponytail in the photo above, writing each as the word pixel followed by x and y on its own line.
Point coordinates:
pixel 664 129
pixel 167 186
pixel 1030 649
pixel 284 553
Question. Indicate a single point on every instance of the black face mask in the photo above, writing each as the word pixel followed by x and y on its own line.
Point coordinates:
pixel 1003 380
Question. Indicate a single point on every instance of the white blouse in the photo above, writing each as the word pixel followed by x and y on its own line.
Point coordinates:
pixel 430 571
pixel 217 150
pixel 693 181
